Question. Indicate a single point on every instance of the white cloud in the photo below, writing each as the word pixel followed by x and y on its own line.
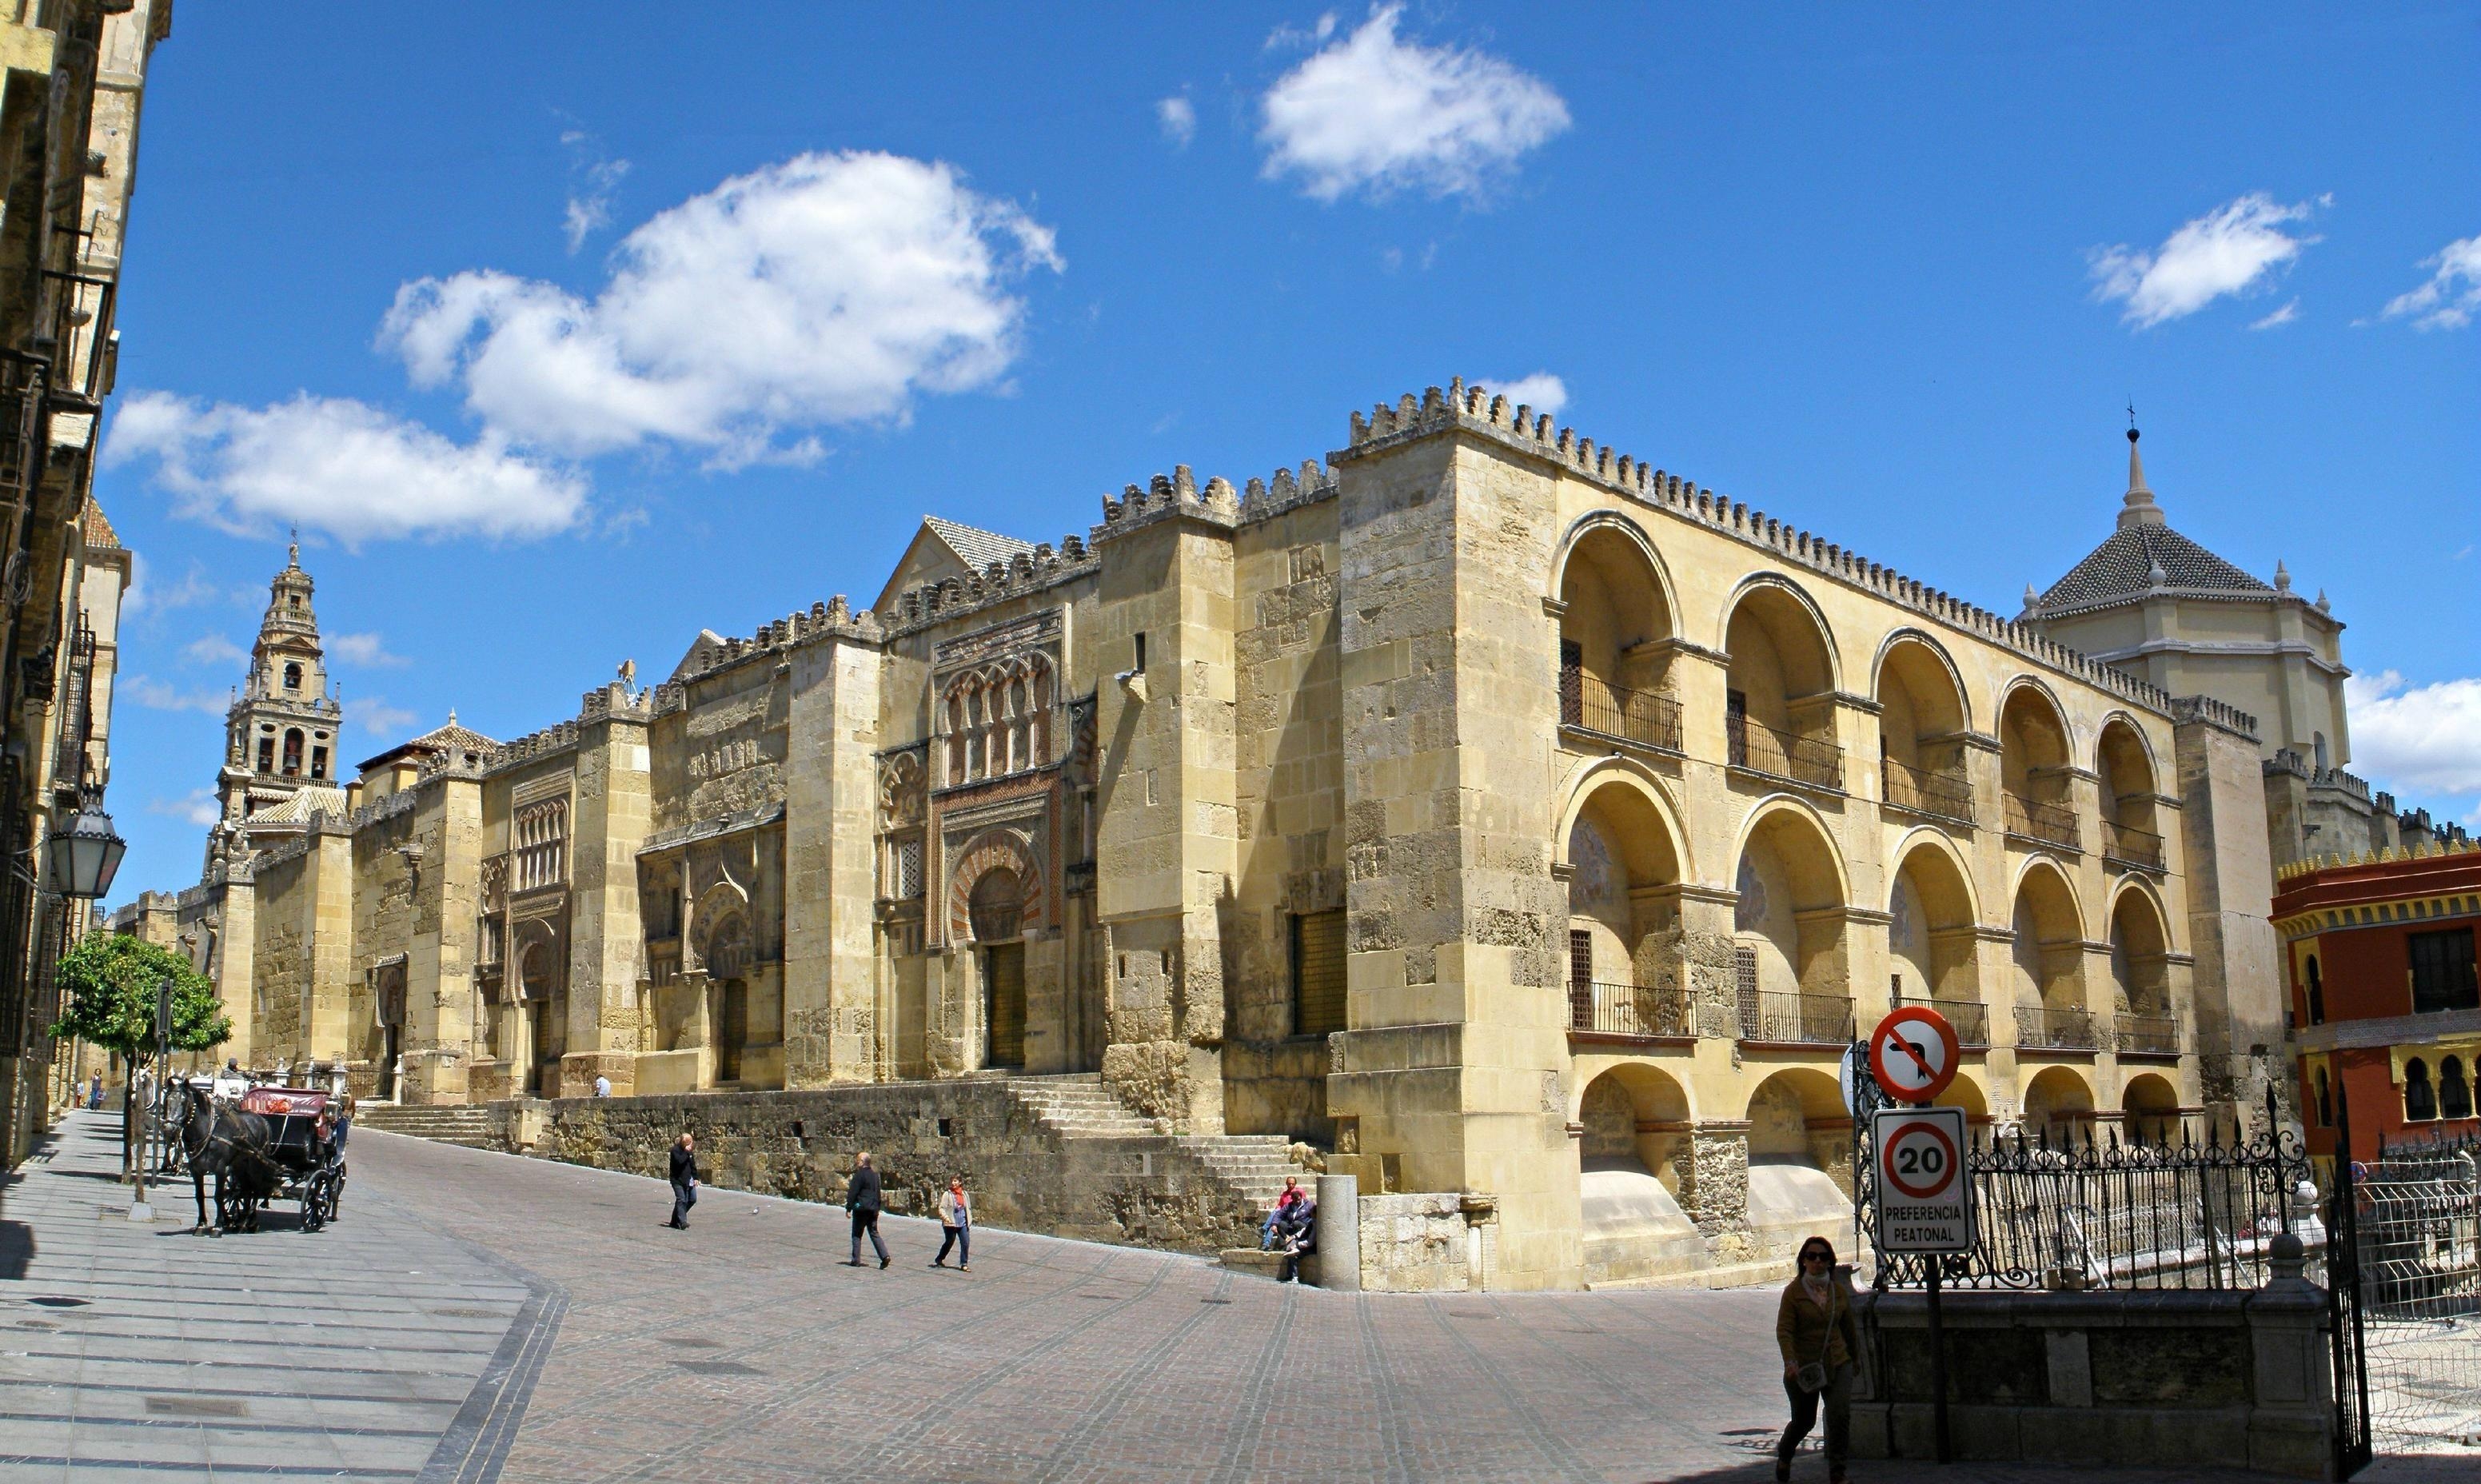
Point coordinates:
pixel 197 807
pixel 1541 391
pixel 339 466
pixel 362 649
pixel 827 289
pixel 2417 738
pixel 2451 297
pixel 592 179
pixel 213 649
pixel 1178 118
pixel 1378 114
pixel 1291 38
pixel 373 714
pixel 194 590
pixel 2235 248
pixel 160 696
pixel 2281 317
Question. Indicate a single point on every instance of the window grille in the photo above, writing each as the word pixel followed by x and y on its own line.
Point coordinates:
pixel 542 832
pixel 908 869
pixel 1317 972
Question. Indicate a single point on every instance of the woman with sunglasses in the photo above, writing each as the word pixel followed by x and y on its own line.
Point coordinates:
pixel 1816 1331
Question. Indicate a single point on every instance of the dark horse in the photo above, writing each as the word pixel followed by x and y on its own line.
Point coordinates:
pixel 233 1146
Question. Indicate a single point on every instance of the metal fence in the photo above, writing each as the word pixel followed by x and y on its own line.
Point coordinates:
pixel 1771 1015
pixel 1594 705
pixel 1628 1009
pixel 2081 1213
pixel 2416 1224
pixel 1971 1018
pixel 2032 819
pixel 2130 846
pixel 1947 794
pixel 2066 1028
pixel 1760 749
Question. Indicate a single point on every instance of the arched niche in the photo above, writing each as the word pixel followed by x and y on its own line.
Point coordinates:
pixel 1779 695
pixel 1930 929
pixel 1615 617
pixel 1789 921
pixel 1923 721
pixel 1625 967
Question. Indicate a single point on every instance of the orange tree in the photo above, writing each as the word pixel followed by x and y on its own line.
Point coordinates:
pixel 109 985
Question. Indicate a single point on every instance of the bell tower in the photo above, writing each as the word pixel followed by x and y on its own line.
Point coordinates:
pixel 280 735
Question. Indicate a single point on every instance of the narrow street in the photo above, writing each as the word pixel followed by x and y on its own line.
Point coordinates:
pixel 477 1317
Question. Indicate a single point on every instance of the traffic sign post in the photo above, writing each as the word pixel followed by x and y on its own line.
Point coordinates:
pixel 1924 1199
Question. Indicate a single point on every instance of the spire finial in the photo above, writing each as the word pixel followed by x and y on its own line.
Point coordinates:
pixel 451 715
pixel 2282 576
pixel 293 550
pixel 2139 508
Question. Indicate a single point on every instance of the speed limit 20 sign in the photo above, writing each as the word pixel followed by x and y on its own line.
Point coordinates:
pixel 1924 1199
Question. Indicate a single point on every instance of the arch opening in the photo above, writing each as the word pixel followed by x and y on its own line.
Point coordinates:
pixel 1615 627
pixel 2150 1106
pixel 2140 974
pixel 1790 938
pixel 2132 829
pixel 1800 1157
pixel 1922 730
pixel 2034 770
pixel 1930 941
pixel 1631 1159
pixel 1627 956
pixel 2057 1103
pixel 1779 702
pixel 2046 960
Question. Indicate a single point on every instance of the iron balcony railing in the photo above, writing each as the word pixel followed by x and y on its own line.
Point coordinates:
pixel 1762 749
pixel 1971 1018
pixel 1947 796
pixel 1595 705
pixel 1628 1009
pixel 2046 1027
pixel 2156 1034
pixel 2052 824
pixel 1774 1015
pixel 2130 846
pixel 77 714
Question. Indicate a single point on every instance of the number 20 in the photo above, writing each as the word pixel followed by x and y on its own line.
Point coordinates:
pixel 1919 1159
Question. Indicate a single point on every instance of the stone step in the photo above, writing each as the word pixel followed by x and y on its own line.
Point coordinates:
pixel 1266 1265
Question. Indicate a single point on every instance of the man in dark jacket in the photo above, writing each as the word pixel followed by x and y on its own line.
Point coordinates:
pixel 863 1198
pixel 1296 1234
pixel 683 1182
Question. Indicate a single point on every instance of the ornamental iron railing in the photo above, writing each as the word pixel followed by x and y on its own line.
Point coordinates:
pixel 2054 1028
pixel 2130 846
pixel 1942 794
pixel 2148 1035
pixel 1971 1018
pixel 2199 1211
pixel 1775 1015
pixel 2044 824
pixel 1762 749
pixel 1627 1010
pixel 1592 703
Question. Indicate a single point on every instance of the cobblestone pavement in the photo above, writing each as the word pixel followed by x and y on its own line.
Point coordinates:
pixel 743 1351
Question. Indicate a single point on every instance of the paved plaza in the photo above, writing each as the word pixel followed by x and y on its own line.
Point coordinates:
pixel 477 1317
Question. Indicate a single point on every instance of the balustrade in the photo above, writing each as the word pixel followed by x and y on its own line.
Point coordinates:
pixel 2054 1028
pixel 1771 1015
pixel 2044 824
pixel 1971 1018
pixel 1629 1009
pixel 1594 705
pixel 1947 796
pixel 2156 1034
pixel 1760 749
pixel 2130 846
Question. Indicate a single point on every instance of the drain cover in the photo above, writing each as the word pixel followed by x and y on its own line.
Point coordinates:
pixel 196 1406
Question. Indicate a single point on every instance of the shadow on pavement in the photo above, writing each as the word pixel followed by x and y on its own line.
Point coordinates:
pixel 17 1250
pixel 1811 1469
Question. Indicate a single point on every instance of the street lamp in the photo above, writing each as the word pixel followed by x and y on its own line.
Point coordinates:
pixel 82 856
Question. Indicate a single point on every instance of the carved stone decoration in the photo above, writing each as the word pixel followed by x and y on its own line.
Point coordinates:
pixel 995 849
pixel 1081 742
pixel 900 789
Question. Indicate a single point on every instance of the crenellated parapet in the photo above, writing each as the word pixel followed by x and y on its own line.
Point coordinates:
pixel 998 581
pixel 558 737
pixel 1266 499
pixel 1476 410
pixel 833 619
pixel 2214 713
pixel 2286 761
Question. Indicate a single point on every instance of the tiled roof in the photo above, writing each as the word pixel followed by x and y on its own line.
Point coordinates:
pixel 2122 566
pixel 973 547
pixel 299 809
pixel 453 738
pixel 99 534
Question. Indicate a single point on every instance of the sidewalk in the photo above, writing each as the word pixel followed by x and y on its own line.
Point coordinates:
pixel 137 1350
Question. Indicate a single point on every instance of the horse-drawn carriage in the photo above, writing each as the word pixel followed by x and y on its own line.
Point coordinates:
pixel 269 1143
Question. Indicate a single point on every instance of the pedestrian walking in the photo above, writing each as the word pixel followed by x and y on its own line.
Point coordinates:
pixel 1818 1338
pixel 94 1094
pixel 863 1198
pixel 955 1225
pixel 684 1180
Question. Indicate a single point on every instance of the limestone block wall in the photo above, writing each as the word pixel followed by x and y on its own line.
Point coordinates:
pixel 1422 1243
pixel 801 1145
pixel 610 812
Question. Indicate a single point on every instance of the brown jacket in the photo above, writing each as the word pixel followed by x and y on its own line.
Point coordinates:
pixel 1801 1326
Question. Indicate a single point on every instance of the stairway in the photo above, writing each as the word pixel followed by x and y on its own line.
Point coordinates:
pixel 468 1124
pixel 1252 1166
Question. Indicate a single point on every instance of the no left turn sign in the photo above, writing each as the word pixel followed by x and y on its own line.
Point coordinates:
pixel 1914 1053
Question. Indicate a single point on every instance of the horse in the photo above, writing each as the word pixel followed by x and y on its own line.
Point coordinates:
pixel 233 1146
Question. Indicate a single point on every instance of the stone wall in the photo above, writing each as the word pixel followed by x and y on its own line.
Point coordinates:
pixel 2162 1379
pixel 1421 1243
pixel 1143 1192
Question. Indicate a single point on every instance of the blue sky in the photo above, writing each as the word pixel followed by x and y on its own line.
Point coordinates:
pixel 565 330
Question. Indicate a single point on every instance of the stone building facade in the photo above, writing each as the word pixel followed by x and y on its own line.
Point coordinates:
pixel 1503 818
pixel 72 79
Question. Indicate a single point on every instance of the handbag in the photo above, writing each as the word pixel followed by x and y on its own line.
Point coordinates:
pixel 1812 1376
